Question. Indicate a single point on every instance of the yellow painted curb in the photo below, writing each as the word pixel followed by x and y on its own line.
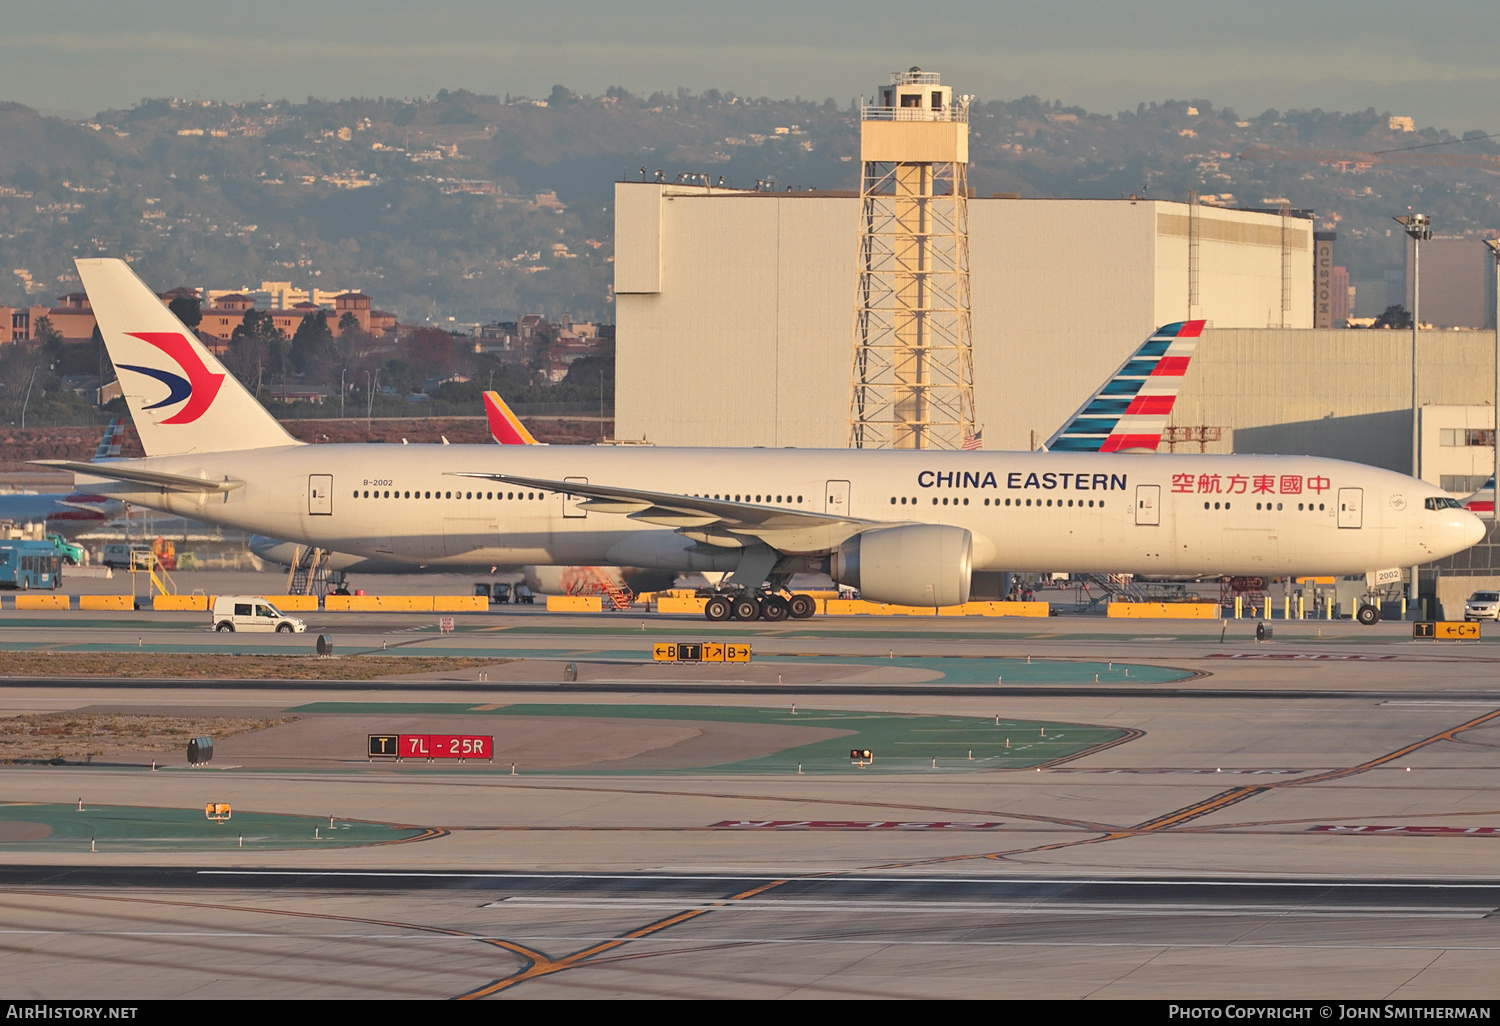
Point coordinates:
pixel 97 602
pixel 575 604
pixel 43 602
pixel 1165 610
pixel 293 603
pixel 180 603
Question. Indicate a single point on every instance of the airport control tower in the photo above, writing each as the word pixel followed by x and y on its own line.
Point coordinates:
pixel 913 368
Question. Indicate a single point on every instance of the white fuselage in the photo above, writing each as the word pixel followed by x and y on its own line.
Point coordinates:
pixel 67 514
pixel 1121 513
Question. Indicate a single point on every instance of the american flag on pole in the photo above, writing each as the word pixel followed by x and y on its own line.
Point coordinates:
pixel 974 441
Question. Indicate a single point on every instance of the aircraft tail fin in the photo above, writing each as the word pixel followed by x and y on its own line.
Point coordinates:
pixel 1483 499
pixel 109 445
pixel 180 396
pixel 1130 411
pixel 505 427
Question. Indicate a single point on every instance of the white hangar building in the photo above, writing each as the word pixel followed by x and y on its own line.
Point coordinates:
pixel 736 309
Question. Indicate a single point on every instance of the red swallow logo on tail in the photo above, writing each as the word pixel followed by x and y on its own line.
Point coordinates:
pixel 199 387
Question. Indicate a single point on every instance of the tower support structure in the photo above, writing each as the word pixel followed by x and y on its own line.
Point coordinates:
pixel 913 363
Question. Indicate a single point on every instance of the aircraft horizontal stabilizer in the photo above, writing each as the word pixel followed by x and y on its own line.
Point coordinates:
pixel 136 475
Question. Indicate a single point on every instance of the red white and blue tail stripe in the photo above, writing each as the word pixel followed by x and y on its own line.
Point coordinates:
pixel 1482 501
pixel 109 445
pixel 1130 412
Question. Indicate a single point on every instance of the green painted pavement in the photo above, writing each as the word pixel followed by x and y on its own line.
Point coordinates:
pixel 900 743
pixel 138 829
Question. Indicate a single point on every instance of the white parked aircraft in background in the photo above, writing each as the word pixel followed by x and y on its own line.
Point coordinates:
pixel 69 513
pixel 906 527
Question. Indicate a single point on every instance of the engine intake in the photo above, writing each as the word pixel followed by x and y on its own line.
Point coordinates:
pixel 913 565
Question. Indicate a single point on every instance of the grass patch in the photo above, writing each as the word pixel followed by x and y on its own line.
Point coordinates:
pixel 232 667
pixel 63 735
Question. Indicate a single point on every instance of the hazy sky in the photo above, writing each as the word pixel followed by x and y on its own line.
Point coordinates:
pixel 1434 60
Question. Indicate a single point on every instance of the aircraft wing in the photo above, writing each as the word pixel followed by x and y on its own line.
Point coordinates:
pixel 1130 410
pixel 715 521
pixel 137 475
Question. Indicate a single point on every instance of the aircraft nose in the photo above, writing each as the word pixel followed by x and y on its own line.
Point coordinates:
pixel 1474 531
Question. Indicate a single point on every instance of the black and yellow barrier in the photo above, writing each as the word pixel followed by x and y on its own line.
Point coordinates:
pixel 700 652
pixel 1445 630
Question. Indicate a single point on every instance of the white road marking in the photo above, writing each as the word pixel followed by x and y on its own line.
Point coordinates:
pixel 676 940
pixel 1039 907
pixel 762 876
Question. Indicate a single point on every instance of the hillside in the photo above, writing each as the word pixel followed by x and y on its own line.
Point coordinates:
pixel 19 445
pixel 433 206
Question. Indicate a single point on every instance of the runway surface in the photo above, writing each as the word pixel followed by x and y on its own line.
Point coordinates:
pixel 1317 816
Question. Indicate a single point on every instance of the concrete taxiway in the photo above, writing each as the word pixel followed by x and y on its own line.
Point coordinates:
pixel 1314 816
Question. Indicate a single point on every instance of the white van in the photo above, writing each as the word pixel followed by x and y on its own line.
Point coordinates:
pixel 252 613
pixel 117 556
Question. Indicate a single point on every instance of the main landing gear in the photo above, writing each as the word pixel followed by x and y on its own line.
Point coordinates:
pixel 758 605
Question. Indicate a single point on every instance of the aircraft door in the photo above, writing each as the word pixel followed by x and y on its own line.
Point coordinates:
pixel 1148 505
pixel 572 505
pixel 837 493
pixel 320 495
pixel 1351 507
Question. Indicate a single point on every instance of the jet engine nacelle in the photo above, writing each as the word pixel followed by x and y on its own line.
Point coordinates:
pixel 913 565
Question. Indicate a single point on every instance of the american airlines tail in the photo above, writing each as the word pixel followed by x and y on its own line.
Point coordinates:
pixel 180 396
pixel 1483 500
pixel 113 440
pixel 1130 410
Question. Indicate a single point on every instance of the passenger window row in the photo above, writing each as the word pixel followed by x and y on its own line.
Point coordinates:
pixel 1090 503
pixel 503 496
pixel 776 500
pixel 1310 507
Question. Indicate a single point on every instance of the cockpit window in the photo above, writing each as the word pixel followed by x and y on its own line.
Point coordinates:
pixel 1444 502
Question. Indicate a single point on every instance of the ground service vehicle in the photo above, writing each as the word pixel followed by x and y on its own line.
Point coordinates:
pixel 1483 605
pixel 117 555
pixel 252 613
pixel 25 565
pixel 71 554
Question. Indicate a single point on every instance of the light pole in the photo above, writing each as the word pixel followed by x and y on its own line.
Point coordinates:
pixel 1494 246
pixel 27 401
pixel 1419 228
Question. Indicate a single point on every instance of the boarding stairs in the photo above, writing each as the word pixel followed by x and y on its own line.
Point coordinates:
pixel 148 578
pixel 309 575
pixel 600 583
pixel 1251 591
pixel 1107 588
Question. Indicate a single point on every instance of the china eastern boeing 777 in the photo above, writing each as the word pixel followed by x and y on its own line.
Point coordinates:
pixel 905 527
